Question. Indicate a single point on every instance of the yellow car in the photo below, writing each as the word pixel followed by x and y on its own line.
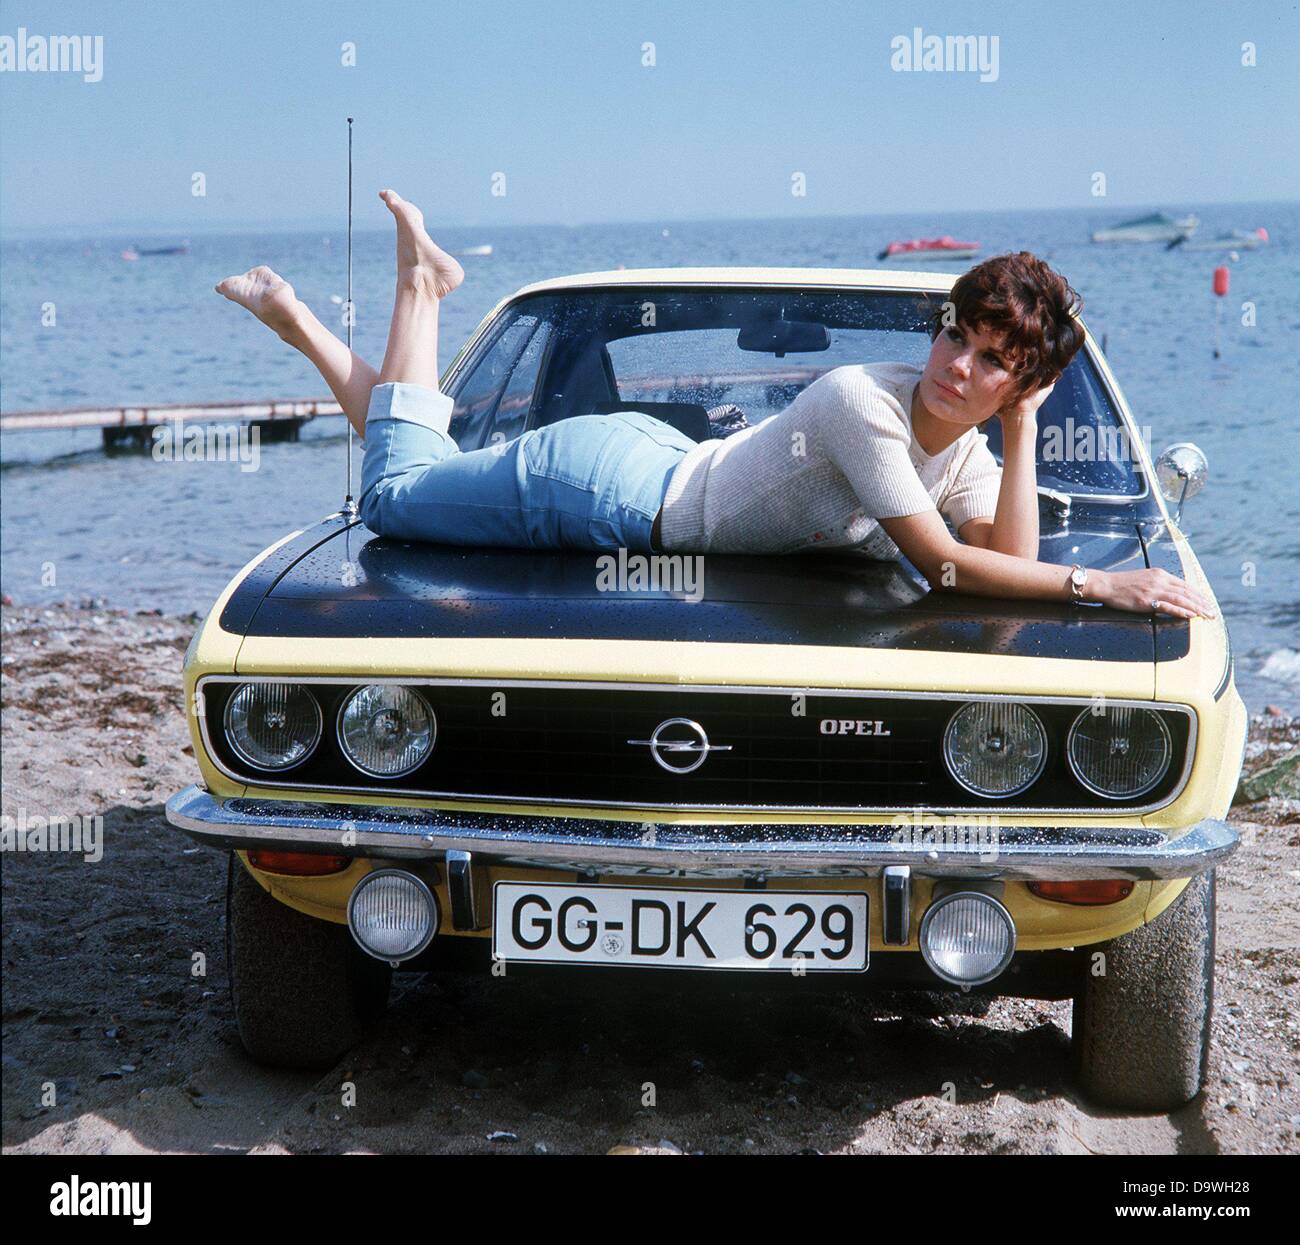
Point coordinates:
pixel 797 765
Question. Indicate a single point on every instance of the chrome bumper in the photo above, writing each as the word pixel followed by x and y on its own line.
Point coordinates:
pixel 717 850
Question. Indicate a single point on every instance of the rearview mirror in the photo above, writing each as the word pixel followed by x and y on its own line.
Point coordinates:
pixel 781 337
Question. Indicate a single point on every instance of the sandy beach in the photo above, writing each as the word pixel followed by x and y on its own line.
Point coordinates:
pixel 103 1000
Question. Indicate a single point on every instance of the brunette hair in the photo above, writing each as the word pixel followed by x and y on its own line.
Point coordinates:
pixel 1029 306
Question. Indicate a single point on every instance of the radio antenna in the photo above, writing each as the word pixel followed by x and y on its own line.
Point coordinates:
pixel 349 505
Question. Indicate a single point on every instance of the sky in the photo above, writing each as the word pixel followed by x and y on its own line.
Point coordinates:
pixel 554 103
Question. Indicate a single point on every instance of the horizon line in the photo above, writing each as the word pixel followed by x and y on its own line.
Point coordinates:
pixel 240 226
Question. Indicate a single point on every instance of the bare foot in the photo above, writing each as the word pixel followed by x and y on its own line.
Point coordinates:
pixel 419 259
pixel 267 295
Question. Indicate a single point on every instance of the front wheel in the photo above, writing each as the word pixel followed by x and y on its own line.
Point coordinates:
pixel 302 990
pixel 1142 1015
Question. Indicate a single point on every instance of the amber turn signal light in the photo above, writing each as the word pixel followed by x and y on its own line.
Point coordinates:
pixel 1108 890
pixel 297 864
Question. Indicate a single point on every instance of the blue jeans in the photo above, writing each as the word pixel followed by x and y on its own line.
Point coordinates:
pixel 588 482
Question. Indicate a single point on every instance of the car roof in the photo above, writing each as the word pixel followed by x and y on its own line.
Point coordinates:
pixel 835 278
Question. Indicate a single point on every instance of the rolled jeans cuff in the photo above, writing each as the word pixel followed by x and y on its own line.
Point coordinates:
pixel 412 404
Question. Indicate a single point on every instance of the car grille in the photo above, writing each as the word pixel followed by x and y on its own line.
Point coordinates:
pixel 797 751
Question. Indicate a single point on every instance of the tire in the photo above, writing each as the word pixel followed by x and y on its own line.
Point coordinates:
pixel 302 990
pixel 1142 1030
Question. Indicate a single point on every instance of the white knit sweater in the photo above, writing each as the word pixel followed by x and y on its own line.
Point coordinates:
pixel 820 474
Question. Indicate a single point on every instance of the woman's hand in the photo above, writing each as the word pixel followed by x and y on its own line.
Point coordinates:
pixel 1024 413
pixel 1148 592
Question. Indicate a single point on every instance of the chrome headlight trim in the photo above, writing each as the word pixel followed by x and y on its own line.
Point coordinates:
pixel 373 773
pixel 998 795
pixel 1188 711
pixel 259 765
pixel 1101 791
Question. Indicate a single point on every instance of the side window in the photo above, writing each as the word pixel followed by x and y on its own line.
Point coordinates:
pixel 516 402
pixel 477 401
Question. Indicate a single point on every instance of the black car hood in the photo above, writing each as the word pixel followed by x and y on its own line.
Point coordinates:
pixel 339 579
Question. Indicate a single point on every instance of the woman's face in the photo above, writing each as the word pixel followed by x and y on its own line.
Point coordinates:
pixel 966 379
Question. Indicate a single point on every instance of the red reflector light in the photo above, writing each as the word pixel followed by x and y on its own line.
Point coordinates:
pixel 1110 890
pixel 297 864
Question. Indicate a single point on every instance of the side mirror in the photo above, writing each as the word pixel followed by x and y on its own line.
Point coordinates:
pixel 1181 472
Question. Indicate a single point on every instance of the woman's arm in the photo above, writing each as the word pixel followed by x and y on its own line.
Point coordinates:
pixel 1014 527
pixel 951 566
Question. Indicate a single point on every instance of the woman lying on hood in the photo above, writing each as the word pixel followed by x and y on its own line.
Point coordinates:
pixel 872 457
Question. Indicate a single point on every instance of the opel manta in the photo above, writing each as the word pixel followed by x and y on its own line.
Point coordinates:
pixel 795 765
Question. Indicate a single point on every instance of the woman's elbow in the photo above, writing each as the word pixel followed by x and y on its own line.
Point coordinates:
pixel 1023 548
pixel 943 572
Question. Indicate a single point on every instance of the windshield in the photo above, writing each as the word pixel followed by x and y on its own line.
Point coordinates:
pixel 710 360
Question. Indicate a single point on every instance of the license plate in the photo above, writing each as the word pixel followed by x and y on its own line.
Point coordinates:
pixel 628 926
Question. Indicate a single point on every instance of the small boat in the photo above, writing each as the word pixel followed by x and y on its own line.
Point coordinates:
pixel 486 249
pixel 1157 227
pixel 130 254
pixel 1233 240
pixel 183 249
pixel 945 248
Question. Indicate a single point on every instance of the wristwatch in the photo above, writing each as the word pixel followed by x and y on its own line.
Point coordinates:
pixel 1078 578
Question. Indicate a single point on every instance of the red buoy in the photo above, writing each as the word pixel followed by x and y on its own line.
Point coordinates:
pixel 1220 281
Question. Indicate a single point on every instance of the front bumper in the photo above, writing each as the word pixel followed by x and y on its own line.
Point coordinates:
pixel 977 849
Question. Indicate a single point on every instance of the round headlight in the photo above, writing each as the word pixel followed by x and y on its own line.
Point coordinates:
pixel 273 725
pixel 385 730
pixel 392 915
pixel 1121 753
pixel 967 938
pixel 995 748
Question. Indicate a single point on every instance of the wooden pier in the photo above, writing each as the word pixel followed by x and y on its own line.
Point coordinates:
pixel 279 419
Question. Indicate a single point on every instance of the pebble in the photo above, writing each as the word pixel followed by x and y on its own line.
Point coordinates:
pixel 539 1147
pixel 502 1135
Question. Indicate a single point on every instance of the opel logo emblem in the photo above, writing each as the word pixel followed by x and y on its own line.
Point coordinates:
pixel 679 745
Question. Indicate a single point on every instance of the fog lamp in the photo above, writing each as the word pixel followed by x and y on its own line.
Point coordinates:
pixel 967 938
pixel 392 915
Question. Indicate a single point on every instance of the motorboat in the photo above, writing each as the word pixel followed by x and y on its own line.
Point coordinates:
pixel 1157 227
pixel 1233 240
pixel 911 249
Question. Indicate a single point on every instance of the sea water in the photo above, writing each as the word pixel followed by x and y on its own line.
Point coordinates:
pixel 81 326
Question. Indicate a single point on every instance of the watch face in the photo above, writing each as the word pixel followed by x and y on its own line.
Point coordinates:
pixel 1079 577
